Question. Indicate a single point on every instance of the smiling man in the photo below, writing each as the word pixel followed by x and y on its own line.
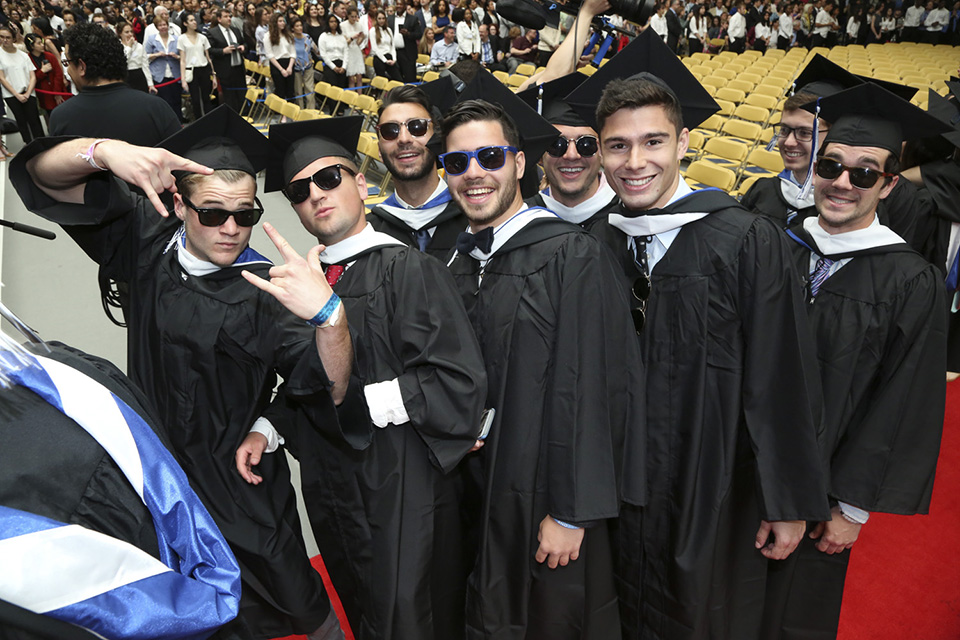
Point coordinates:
pixel 555 333
pixel 382 495
pixel 204 346
pixel 420 212
pixel 876 307
pixel 732 463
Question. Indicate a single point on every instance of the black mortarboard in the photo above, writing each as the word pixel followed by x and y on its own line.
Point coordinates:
pixel 550 99
pixel 870 116
pixel 442 93
pixel 948 112
pixel 300 143
pixel 536 134
pixel 222 140
pixel 649 58
pixel 823 77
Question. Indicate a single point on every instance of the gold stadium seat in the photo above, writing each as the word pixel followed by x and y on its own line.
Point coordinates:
pixel 751 77
pixel 516 80
pixel 725 152
pixel 705 174
pixel 502 76
pixel 752 114
pixel 726 107
pixel 714 81
pixel 526 69
pixel 761 161
pixel 759 100
pixel 332 95
pixel 744 186
pixel 430 76
pixel 748 132
pixel 423 58
pixel 726 74
pixel 768 90
pixel 695 145
pixel 740 85
pixel 350 99
pixel 732 95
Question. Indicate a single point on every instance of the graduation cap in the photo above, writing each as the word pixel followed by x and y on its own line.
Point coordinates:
pixel 870 116
pixel 442 93
pixel 300 143
pixel 222 140
pixel 823 78
pixel 536 134
pixel 948 112
pixel 549 99
pixel 647 57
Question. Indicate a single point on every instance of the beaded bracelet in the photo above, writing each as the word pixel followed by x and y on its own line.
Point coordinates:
pixel 88 156
pixel 324 314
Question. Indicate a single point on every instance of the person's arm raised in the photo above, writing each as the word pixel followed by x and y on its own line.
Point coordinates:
pixel 62 172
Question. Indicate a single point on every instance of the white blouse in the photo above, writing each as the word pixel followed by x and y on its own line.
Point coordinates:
pixel 283 49
pixel 193 54
pixel 332 46
pixel 137 59
pixel 18 68
pixel 468 38
pixel 385 46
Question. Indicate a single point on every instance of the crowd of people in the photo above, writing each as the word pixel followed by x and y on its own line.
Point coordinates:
pixel 548 392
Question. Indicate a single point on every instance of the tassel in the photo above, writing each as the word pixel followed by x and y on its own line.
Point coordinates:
pixel 808 182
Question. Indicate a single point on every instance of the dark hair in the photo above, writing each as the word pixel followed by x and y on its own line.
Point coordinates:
pixel 333 16
pixel 405 94
pixel 466 70
pixel 480 111
pixel 636 93
pixel 274 29
pixel 30 39
pixel 458 14
pixel 99 48
pixel 43 24
pixel 797 100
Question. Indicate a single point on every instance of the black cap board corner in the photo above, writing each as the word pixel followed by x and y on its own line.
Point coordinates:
pixel 222 140
pixel 948 112
pixel 647 54
pixel 550 99
pixel 300 143
pixel 870 116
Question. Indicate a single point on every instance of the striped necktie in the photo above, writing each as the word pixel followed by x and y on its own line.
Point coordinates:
pixel 820 274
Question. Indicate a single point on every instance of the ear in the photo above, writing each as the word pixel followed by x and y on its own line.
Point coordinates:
pixel 178 206
pixel 521 164
pixel 683 143
pixel 885 191
pixel 362 186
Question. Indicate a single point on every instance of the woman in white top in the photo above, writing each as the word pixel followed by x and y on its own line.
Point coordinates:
pixel 333 52
pixel 263 28
pixel 281 54
pixel 196 76
pixel 887 26
pixel 18 80
pixel 356 37
pixel 138 67
pixel 697 28
pixel 762 33
pixel 383 49
pixel 853 27
pixel 468 34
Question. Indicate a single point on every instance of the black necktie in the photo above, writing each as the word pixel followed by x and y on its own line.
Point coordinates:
pixel 640 253
pixel 483 240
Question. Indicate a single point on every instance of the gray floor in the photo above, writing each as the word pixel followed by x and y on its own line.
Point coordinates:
pixel 52 285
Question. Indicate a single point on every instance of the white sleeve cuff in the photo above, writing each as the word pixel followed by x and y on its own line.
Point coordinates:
pixel 266 428
pixel 385 403
pixel 854 514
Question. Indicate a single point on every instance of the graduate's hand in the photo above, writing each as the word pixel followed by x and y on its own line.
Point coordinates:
pixel 149 168
pixel 786 536
pixel 299 284
pixel 476 446
pixel 249 454
pixel 558 545
pixel 836 535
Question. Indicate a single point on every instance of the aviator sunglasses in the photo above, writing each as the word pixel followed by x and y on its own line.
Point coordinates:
pixel 860 177
pixel 416 126
pixel 586 145
pixel 327 178
pixel 489 158
pixel 214 217
pixel 641 292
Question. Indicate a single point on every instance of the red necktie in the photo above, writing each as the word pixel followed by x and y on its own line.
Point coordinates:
pixel 333 274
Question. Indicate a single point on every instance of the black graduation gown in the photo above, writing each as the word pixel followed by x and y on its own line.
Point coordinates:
pixel 942 182
pixel 732 424
pixel 52 467
pixel 565 377
pixel 448 225
pixel 905 211
pixel 383 502
pixel 879 331
pixel 206 351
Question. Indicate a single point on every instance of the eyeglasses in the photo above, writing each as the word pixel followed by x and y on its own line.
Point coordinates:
pixel 860 177
pixel 489 158
pixel 802 134
pixel 213 217
pixel 416 126
pixel 327 179
pixel 587 146
pixel 641 291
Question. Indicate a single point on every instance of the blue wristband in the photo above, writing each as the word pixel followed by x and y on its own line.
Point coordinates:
pixel 324 314
pixel 565 525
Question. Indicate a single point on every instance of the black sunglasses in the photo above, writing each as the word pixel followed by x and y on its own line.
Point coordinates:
pixel 327 178
pixel 489 158
pixel 214 217
pixel 860 177
pixel 641 291
pixel 416 126
pixel 587 146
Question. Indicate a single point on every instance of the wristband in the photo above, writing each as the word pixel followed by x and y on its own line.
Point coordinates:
pixel 88 155
pixel 326 312
pixel 565 525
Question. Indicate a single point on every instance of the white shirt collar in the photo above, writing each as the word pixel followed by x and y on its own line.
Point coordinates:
pixel 645 225
pixel 347 248
pixel 506 230
pixel 579 213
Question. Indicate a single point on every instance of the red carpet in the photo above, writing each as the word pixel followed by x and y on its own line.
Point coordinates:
pixel 904 577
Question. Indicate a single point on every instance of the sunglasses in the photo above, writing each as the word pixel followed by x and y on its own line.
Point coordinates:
pixel 327 179
pixel 860 177
pixel 213 217
pixel 587 146
pixel 641 291
pixel 416 126
pixel 489 158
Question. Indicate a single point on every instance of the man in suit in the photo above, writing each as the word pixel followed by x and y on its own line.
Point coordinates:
pixel 674 28
pixel 412 30
pixel 226 53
